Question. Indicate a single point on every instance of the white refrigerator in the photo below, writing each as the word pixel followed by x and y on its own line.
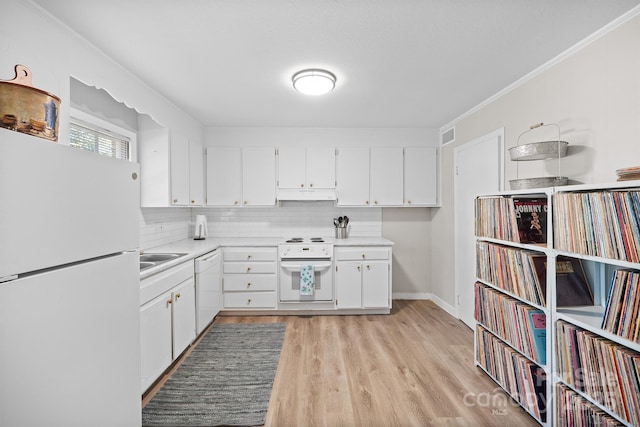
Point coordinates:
pixel 69 286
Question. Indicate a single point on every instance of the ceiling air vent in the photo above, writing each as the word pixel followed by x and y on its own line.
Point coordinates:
pixel 448 136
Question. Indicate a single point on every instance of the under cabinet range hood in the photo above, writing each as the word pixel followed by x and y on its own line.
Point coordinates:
pixel 308 194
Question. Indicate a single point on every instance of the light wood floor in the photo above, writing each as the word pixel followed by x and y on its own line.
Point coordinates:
pixel 413 367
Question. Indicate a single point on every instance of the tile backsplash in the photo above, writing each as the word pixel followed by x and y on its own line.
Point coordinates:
pixel 160 226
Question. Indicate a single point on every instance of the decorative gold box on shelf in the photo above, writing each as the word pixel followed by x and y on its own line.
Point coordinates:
pixel 26 109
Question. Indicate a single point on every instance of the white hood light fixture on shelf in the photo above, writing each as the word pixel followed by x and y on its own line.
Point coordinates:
pixel 314 81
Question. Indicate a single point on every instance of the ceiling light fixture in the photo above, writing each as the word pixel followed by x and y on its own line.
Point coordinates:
pixel 314 81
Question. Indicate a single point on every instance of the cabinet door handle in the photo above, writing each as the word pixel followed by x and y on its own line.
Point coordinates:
pixel 248 269
pixel 169 301
pixel 368 267
pixel 249 285
pixel 249 301
pixel 177 295
pixel 245 202
pixel 311 185
pixel 235 203
pixel 363 256
pixel 248 256
pixel 375 202
pixel 358 268
pixel 302 185
pixel 175 200
pixel 367 202
pixel 193 201
pixel 409 201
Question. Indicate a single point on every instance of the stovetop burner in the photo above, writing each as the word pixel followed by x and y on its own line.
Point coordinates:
pixel 302 240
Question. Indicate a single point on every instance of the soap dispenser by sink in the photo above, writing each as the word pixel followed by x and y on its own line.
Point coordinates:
pixel 200 231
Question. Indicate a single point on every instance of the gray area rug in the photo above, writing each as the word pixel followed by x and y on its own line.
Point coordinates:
pixel 226 380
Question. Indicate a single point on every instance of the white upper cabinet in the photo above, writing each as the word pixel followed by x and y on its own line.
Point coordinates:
pixel 196 174
pixel 386 176
pixel 167 173
pixel 352 176
pixel 292 168
pixel 241 177
pixel 421 176
pixel 306 167
pixel 259 176
pixel 369 177
pixel 224 176
pixel 180 175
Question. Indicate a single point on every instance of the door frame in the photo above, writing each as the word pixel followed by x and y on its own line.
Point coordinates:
pixel 501 171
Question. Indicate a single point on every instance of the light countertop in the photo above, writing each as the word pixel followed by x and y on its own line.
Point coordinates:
pixel 195 248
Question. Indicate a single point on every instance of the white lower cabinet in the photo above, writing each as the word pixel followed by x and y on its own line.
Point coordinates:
pixel 249 278
pixel 363 277
pixel 167 320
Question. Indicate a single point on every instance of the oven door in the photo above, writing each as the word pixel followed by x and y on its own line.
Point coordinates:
pixel 290 280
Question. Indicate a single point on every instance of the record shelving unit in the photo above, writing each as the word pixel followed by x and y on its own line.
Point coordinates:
pixel 588 371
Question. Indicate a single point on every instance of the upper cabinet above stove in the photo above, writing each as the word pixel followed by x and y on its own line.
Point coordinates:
pixel 307 168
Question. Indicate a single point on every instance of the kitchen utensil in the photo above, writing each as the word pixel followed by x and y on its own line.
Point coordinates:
pixel 335 222
pixel 346 221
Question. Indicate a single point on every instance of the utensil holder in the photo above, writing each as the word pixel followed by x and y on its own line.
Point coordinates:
pixel 341 233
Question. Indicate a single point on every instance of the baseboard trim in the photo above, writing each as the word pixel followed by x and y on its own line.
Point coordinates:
pixel 451 310
pixel 411 295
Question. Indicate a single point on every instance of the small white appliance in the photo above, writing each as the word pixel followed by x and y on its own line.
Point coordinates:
pixel 200 231
pixel 295 253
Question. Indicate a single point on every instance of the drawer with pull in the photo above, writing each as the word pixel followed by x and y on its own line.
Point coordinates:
pixel 250 254
pixel 249 267
pixel 362 253
pixel 248 300
pixel 243 282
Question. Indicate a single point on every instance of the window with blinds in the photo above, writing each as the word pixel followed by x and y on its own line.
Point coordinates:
pixel 100 141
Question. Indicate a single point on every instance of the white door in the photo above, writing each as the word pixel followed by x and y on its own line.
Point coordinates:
pixel 259 176
pixel 348 284
pixel 196 174
pixel 352 173
pixel 224 176
pixel 420 176
pixel 291 167
pixel 387 177
pixel 155 338
pixel 375 284
pixel 184 316
pixel 321 167
pixel 179 150
pixel 479 169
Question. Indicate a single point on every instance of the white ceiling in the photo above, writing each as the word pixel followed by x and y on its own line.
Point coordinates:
pixel 399 63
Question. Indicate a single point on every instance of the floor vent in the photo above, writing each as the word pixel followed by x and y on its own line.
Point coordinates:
pixel 448 136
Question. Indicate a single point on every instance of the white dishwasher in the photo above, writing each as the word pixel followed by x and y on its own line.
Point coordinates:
pixel 208 269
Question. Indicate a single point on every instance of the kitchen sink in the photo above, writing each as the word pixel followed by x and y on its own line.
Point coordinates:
pixel 145 265
pixel 159 257
pixel 152 260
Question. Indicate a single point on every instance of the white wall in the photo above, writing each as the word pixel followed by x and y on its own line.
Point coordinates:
pixel 593 94
pixel 53 53
pixel 407 227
